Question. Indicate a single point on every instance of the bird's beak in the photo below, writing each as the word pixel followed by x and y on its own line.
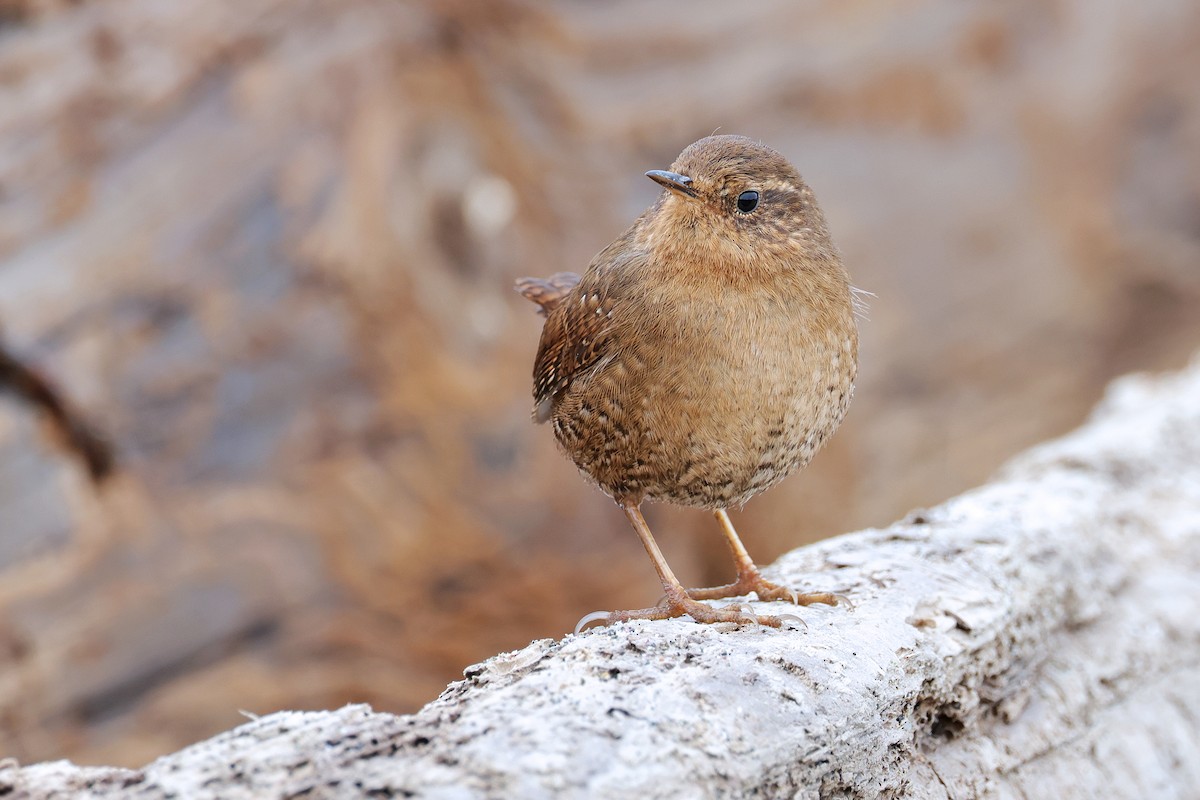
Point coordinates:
pixel 680 184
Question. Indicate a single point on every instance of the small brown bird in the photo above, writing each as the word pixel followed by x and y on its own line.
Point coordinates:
pixel 703 356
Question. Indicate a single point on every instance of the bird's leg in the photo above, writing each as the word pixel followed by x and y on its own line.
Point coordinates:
pixel 677 603
pixel 749 579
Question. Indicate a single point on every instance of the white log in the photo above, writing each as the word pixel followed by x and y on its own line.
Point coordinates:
pixel 1037 637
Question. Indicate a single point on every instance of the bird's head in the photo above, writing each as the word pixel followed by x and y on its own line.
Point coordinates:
pixel 738 201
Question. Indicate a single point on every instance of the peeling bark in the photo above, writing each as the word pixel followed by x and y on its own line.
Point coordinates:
pixel 1037 637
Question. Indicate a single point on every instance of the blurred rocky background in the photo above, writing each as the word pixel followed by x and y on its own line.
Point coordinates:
pixel 261 254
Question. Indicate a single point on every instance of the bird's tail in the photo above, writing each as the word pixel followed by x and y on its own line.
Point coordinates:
pixel 547 293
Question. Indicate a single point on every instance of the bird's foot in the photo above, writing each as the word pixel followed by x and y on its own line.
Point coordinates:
pixel 753 581
pixel 683 605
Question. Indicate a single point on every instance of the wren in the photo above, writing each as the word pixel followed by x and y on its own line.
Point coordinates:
pixel 703 356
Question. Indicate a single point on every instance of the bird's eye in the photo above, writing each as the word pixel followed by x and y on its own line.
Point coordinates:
pixel 747 202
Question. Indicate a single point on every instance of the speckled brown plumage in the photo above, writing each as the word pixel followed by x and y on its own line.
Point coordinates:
pixel 704 355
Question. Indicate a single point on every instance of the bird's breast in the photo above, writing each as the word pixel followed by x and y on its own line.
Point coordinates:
pixel 710 399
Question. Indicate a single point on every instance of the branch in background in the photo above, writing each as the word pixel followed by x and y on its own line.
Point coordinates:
pixel 79 436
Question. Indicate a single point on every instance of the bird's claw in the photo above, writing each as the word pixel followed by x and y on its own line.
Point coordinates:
pixel 765 591
pixel 738 613
pixel 590 618
pixel 842 600
pixel 744 612
pixel 793 618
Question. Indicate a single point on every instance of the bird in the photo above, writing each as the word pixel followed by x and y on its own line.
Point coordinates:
pixel 702 357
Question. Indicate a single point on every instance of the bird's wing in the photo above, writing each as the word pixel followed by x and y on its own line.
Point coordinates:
pixel 578 333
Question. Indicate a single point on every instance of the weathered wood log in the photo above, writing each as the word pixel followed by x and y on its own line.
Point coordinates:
pixel 1037 637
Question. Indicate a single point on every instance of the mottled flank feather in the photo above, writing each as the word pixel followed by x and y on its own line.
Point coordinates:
pixel 862 308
